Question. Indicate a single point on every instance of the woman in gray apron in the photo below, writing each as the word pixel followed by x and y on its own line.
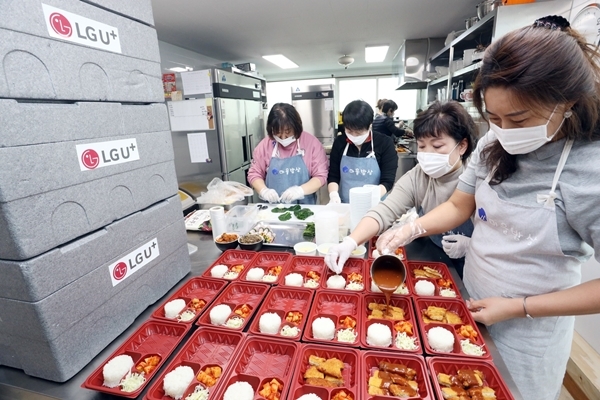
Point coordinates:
pixel 534 184
pixel 289 165
pixel 372 159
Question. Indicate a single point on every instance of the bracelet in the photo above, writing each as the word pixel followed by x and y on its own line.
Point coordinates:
pixel 525 308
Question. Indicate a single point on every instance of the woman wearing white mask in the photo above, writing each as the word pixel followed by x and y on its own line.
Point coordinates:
pixel 360 157
pixel 289 165
pixel 445 135
pixel 534 184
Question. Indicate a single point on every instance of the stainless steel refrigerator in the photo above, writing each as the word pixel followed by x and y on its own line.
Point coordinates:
pixel 315 104
pixel 238 127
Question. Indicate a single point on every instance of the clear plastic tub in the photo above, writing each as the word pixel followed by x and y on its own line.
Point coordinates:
pixel 240 219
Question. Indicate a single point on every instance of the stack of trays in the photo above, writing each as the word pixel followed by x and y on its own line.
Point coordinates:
pixel 315 360
pixel 91 229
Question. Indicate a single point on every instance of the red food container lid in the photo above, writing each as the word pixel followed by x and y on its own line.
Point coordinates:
pixel 335 305
pixel 351 373
pixel 402 302
pixel 201 288
pixel 207 347
pixel 231 258
pixel 370 362
pixel 442 268
pixel 266 260
pixel 259 361
pixel 352 266
pixel 399 250
pixel 153 338
pixel 369 285
pixel 237 295
pixel 458 307
pixel 283 300
pixel 450 366
pixel 303 265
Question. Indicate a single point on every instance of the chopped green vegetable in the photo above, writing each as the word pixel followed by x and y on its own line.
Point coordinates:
pixel 303 213
pixel 279 210
pixel 296 207
pixel 285 217
pixel 293 208
pixel 309 231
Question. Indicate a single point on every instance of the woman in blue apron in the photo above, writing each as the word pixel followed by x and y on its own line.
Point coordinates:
pixel 445 134
pixel 289 165
pixel 534 185
pixel 359 157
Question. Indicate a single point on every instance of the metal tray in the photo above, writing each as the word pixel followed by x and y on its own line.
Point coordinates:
pixel 287 234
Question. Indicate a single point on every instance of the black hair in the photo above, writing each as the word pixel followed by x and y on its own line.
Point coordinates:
pixel 357 115
pixel 450 118
pixel 389 105
pixel 380 103
pixel 282 116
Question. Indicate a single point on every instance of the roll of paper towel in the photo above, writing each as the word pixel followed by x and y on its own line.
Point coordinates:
pixel 217 221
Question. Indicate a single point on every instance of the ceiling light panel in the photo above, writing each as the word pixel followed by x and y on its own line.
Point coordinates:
pixel 375 53
pixel 281 61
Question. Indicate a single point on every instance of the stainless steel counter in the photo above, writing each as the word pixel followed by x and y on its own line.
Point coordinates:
pixel 15 385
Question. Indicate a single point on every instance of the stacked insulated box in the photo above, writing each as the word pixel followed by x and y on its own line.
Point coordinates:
pixel 91 227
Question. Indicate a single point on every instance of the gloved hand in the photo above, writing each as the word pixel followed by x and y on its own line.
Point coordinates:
pixel 455 245
pixel 399 235
pixel 269 195
pixel 334 198
pixel 342 252
pixel 292 194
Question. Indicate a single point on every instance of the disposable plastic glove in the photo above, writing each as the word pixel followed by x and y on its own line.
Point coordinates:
pixel 455 245
pixel 334 198
pixel 339 254
pixel 292 194
pixel 269 195
pixel 399 235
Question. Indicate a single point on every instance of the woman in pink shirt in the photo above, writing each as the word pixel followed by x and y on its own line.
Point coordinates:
pixel 289 165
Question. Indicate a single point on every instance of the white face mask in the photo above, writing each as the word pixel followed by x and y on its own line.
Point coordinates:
pixel 434 164
pixel 285 142
pixel 358 140
pixel 524 140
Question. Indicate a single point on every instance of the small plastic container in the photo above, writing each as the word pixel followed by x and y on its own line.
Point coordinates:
pixel 335 305
pixel 305 249
pixel 309 268
pixel 199 288
pixel 352 372
pixel 231 259
pixel 207 347
pixel 240 219
pixel 284 300
pixel 354 267
pixel 153 338
pixel 259 361
pixel 451 365
pixel 323 248
pixel 370 363
pixel 236 296
pixel 459 308
pixel 439 283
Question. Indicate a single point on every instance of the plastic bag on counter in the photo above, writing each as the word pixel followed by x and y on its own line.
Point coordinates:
pixel 220 192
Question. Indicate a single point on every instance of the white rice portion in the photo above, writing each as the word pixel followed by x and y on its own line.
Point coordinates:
pixel 173 308
pixel 114 370
pixel 440 339
pixel 323 328
pixel 269 323
pixel 177 381
pixel 219 314
pixel 309 396
pixel 218 270
pixel 424 288
pixel 255 274
pixel 294 279
pixel 336 282
pixel 239 391
pixel 379 335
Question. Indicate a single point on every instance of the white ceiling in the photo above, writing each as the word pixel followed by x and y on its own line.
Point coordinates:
pixel 312 33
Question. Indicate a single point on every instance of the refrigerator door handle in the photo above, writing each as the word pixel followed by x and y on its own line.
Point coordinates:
pixel 245 148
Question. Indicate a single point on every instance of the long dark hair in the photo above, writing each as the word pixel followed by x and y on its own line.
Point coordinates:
pixel 541 67
pixel 450 118
pixel 281 116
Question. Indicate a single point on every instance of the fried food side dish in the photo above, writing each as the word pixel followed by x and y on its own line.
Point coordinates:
pixel 427 272
pixel 381 311
pixel 467 384
pixel 390 379
pixel 227 238
pixel 324 372
pixel 441 315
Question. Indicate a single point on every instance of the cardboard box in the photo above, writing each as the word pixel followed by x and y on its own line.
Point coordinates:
pixel 60 357
pixel 34 67
pixel 140 10
pixel 82 25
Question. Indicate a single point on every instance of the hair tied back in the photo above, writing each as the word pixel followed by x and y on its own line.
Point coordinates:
pixel 552 22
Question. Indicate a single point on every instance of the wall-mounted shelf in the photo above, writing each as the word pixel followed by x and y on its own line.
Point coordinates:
pixel 439 80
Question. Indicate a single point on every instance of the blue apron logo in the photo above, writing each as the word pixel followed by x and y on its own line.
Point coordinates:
pixel 482 215
pixel 345 169
pixel 274 171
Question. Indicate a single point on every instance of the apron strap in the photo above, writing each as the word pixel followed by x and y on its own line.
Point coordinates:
pixel 548 199
pixel 346 149
pixel 370 155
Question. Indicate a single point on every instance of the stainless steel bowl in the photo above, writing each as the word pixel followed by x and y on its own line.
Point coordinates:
pixel 486 6
pixel 469 22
